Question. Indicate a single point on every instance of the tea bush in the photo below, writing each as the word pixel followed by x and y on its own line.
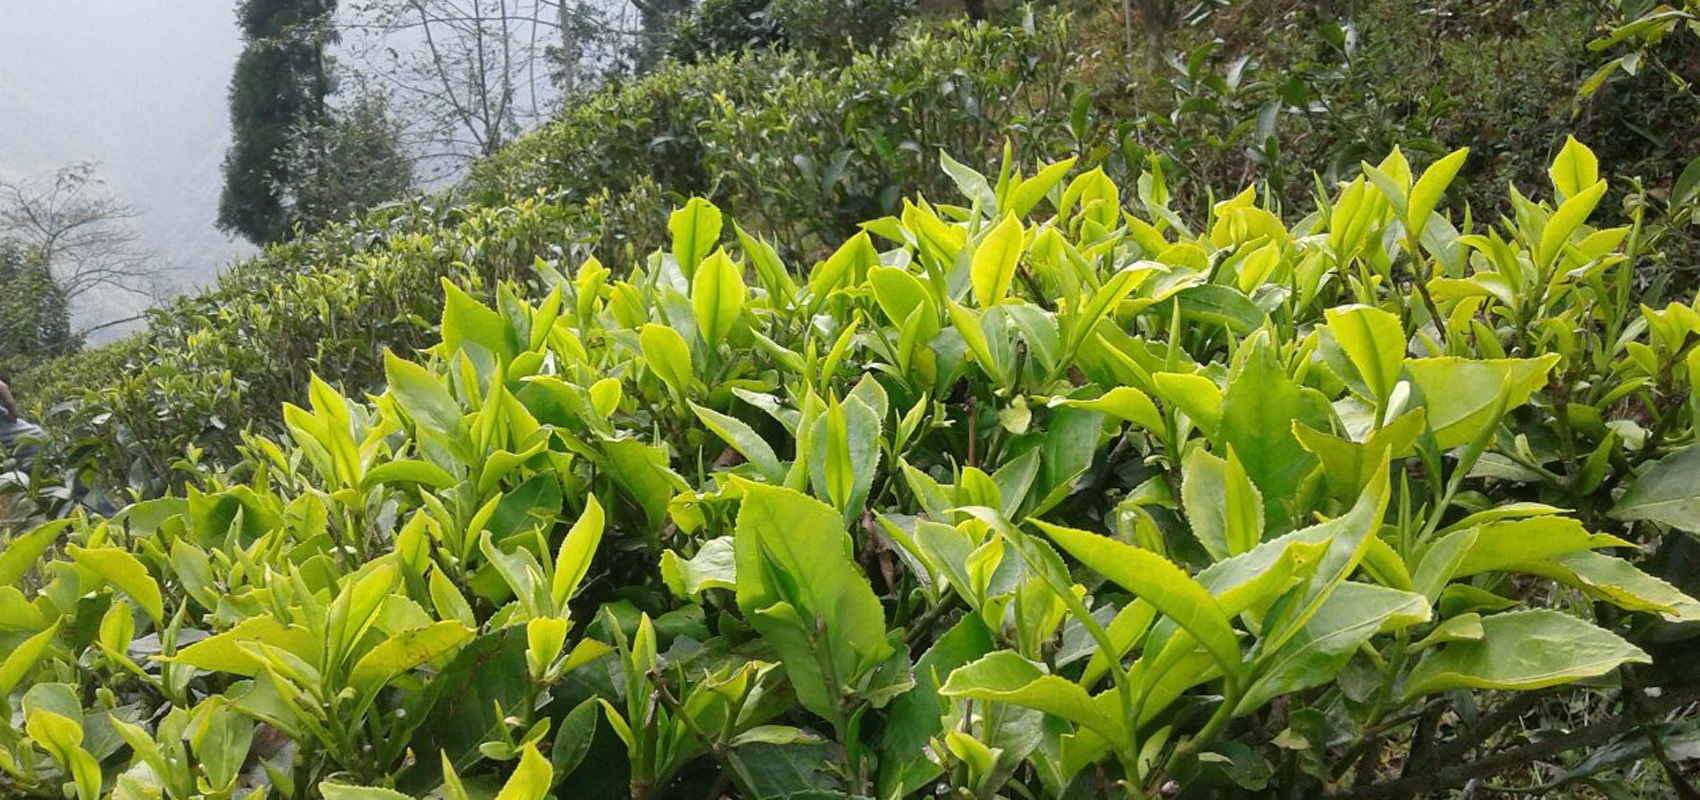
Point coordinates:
pixel 805 151
pixel 777 133
pixel 146 412
pixel 1046 493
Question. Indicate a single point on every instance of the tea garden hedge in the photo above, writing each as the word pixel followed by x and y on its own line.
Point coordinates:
pixel 1046 492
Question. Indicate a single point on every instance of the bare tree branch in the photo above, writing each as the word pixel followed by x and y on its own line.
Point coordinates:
pixel 82 233
pixel 1442 776
pixel 467 76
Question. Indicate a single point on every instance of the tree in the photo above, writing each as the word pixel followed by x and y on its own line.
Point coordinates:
pixel 80 234
pixel 1156 17
pixel 279 87
pixel 467 76
pixel 35 314
pixel 359 160
pixel 658 18
pixel 465 72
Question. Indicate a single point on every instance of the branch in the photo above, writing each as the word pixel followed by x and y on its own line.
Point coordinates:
pixel 1513 710
pixel 112 323
pixel 1441 778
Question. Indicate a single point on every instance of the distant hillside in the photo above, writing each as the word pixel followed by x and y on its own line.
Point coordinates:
pixel 804 151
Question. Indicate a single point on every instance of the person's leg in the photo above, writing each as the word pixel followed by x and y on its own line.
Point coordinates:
pixel 19 440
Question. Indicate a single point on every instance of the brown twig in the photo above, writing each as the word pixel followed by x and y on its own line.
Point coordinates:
pixel 1447 777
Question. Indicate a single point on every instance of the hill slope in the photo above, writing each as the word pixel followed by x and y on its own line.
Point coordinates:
pixel 804 152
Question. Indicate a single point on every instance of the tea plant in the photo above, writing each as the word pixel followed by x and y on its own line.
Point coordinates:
pixel 1051 493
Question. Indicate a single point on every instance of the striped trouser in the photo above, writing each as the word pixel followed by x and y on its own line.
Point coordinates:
pixel 19 441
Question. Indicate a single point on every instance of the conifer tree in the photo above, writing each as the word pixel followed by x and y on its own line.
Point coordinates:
pixel 279 87
pixel 35 315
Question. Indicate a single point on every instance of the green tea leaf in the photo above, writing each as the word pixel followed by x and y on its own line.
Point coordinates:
pixel 1031 190
pixel 642 470
pixel 224 652
pixel 1258 411
pixel 1620 583
pixel 1375 342
pixel 1204 493
pixel 696 233
pixel 1125 403
pixel 531 780
pixel 423 396
pixel 407 470
pixel 1668 493
pixel 900 294
pixel 341 791
pixel 713 567
pixel 467 321
pixel 1243 509
pixel 914 718
pixel 1348 466
pixel 745 440
pixel 1504 544
pixel 1006 677
pixel 1429 189
pixel 1157 581
pixel 995 260
pixel 805 596
pixel 1523 650
pixel 572 562
pixel 668 355
pixel 844 454
pixel 62 738
pixel 717 295
pixel 1566 221
pixel 1574 170
pixel 972 184
pixel 1460 394
pixel 1195 395
pixel 1220 305
pixel 21 554
pixel 1345 621
pixel 125 572
pixel 24 657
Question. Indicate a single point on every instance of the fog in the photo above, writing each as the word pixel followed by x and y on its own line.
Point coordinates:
pixel 139 86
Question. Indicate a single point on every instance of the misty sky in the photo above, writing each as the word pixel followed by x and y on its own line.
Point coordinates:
pixel 138 85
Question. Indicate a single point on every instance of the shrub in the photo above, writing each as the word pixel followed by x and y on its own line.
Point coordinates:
pixel 1046 495
pixel 805 153
pixel 777 133
pixel 150 411
pixel 717 28
pixel 836 28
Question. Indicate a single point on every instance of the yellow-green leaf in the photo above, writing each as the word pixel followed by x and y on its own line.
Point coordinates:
pixel 1159 582
pixel 531 780
pixel 1566 221
pixel 572 562
pixel 125 572
pixel 995 260
pixel 717 295
pixel 22 552
pixel 23 657
pixel 1460 394
pixel 668 356
pixel 1575 169
pixel 1374 341
pixel 696 232
pixel 1425 196
pixel 404 651
pixel 1006 677
pixel 1523 650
